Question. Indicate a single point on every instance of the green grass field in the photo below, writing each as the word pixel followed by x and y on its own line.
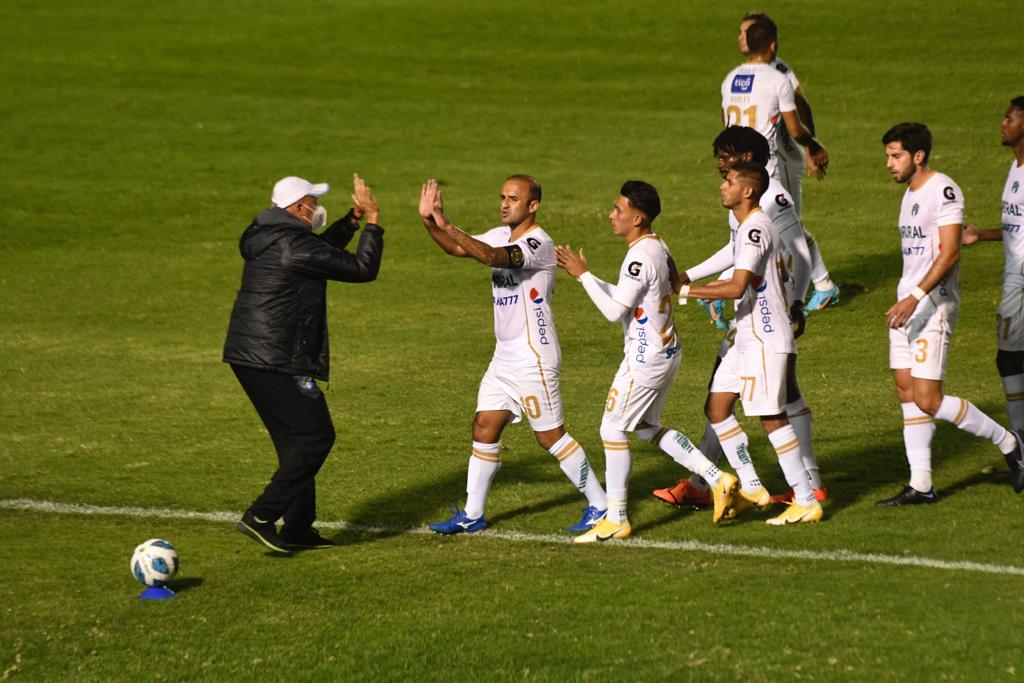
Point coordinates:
pixel 139 140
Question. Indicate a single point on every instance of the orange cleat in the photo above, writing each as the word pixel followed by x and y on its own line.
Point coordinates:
pixel 684 494
pixel 820 495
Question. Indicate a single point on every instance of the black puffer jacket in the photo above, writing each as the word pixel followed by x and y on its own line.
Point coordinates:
pixel 279 322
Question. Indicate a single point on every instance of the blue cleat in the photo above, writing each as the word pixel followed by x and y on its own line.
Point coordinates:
pixel 716 311
pixel 591 516
pixel 459 523
pixel 822 298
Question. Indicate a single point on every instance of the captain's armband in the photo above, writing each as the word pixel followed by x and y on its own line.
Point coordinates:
pixel 516 259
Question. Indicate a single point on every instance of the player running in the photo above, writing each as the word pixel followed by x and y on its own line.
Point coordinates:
pixel 791 158
pixel 1010 316
pixel 642 302
pixel 921 322
pixel 734 144
pixel 523 373
pixel 754 369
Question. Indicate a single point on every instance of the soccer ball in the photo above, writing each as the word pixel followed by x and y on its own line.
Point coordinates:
pixel 154 562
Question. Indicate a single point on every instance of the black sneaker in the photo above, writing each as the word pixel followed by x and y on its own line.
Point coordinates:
pixel 262 531
pixel 306 540
pixel 909 496
pixel 1015 461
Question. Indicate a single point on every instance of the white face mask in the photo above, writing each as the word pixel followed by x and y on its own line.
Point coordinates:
pixel 319 217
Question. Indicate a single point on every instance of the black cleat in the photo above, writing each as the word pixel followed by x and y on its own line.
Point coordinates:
pixel 1015 461
pixel 909 496
pixel 305 540
pixel 262 531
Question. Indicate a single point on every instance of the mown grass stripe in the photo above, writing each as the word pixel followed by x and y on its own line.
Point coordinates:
pixel 761 552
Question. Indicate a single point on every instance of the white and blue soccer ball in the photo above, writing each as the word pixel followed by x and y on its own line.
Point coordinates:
pixel 154 562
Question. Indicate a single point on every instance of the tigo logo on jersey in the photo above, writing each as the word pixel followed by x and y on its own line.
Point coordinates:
pixel 742 83
pixel 535 296
pixel 914 209
pixel 640 316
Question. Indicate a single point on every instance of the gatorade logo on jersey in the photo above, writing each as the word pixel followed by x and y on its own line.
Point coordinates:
pixel 532 243
pixel 1015 187
pixel 754 236
pixel 914 209
pixel 781 200
pixel 640 316
pixel 742 83
pixel 633 269
pixel 948 193
pixel 535 296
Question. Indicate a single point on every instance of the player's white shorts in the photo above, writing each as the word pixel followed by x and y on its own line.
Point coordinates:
pixel 530 391
pixel 630 403
pixel 922 345
pixel 757 375
pixel 1010 318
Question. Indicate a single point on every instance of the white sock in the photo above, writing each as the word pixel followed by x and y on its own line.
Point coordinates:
pixel 967 417
pixel 918 428
pixel 800 419
pixel 573 461
pixel 483 465
pixel 682 450
pixel 712 450
pixel 787 447
pixel 736 448
pixel 819 273
pixel 617 463
pixel 1014 387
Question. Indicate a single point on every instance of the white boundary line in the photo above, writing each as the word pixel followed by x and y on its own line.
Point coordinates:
pixel 517 536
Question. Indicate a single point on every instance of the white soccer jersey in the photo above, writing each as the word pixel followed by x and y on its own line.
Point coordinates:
pixel 645 288
pixel 785 69
pixel 1013 225
pixel 755 95
pixel 777 204
pixel 939 202
pixel 762 315
pixel 524 325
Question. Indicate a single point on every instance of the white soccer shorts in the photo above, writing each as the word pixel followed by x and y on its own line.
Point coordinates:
pixel 758 376
pixel 630 403
pixel 922 345
pixel 532 391
pixel 1010 318
pixel 789 170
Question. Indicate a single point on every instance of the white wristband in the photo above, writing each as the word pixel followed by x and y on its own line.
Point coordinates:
pixel 684 292
pixel 918 293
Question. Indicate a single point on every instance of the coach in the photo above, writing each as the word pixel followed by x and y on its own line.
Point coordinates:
pixel 277 343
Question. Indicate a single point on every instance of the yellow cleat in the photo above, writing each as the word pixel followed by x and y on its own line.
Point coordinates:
pixel 723 493
pixel 606 530
pixel 797 514
pixel 743 501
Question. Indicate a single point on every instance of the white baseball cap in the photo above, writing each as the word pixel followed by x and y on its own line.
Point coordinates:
pixel 289 190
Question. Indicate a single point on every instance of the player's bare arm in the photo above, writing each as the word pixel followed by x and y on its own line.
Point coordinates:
pixel 972 235
pixel 732 288
pixel 678 278
pixel 949 255
pixel 799 132
pixel 431 201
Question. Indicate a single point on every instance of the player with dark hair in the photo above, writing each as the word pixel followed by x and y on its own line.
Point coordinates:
pixel 642 303
pixel 922 320
pixel 1010 315
pixel 791 157
pixel 735 144
pixel 755 367
pixel 523 376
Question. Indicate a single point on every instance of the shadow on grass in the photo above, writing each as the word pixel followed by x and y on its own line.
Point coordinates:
pixel 182 585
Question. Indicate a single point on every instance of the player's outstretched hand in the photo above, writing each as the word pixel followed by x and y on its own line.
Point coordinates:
pixel 573 263
pixel 970 235
pixel 428 196
pixel 365 202
pixel 796 317
pixel 900 313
